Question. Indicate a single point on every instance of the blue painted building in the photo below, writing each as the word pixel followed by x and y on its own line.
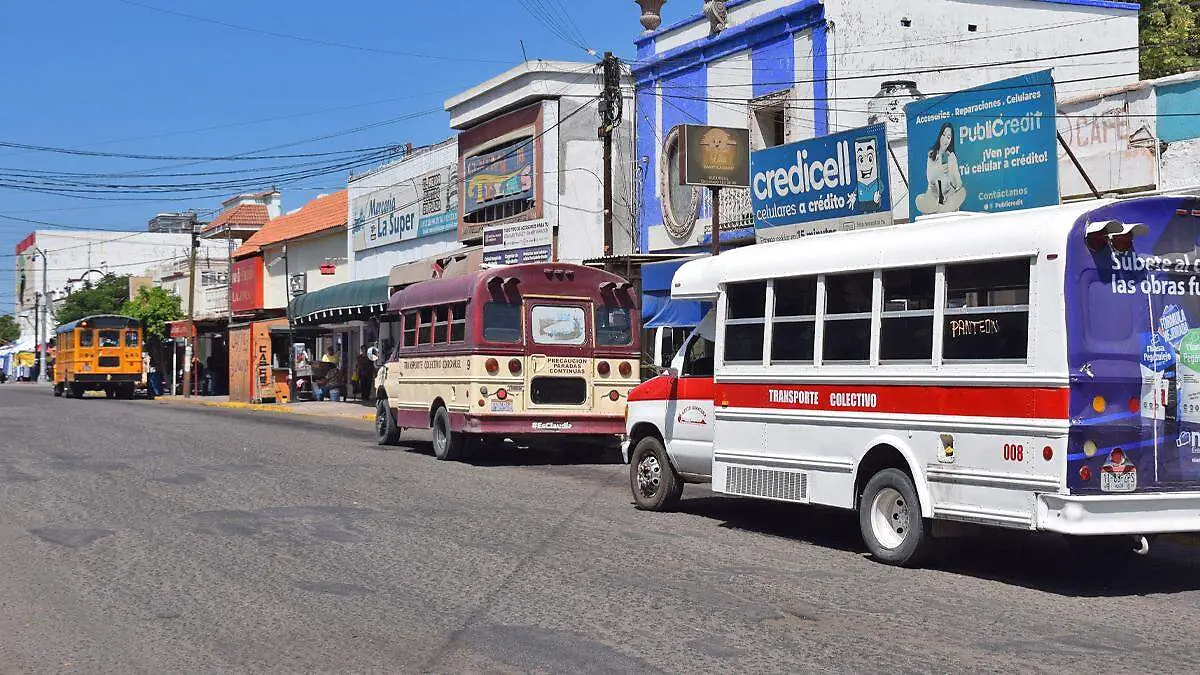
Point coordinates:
pixel 793 69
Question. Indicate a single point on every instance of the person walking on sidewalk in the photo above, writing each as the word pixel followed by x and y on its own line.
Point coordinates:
pixel 365 372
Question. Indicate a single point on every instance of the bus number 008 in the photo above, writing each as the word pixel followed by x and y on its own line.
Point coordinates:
pixel 1014 453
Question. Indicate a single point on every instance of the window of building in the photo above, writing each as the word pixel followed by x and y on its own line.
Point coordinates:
pixel 745 312
pixel 501 322
pixel 410 329
pixel 441 324
pixel 458 322
pixel 847 318
pixel 906 329
pixel 987 311
pixel 768 120
pixel 793 331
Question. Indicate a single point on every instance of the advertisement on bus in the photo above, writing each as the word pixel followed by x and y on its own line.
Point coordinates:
pixel 990 148
pixel 827 184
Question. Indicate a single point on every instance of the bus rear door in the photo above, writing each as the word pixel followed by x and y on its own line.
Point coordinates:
pixel 559 376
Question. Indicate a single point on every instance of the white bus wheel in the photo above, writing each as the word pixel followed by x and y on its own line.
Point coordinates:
pixel 447 445
pixel 386 431
pixel 889 515
pixel 655 485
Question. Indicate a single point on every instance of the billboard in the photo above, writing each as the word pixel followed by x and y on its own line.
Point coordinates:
pixel 714 156
pixel 825 184
pixel 990 148
pixel 408 209
pixel 515 243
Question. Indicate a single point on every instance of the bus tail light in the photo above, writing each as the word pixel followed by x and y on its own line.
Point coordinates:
pixel 625 369
pixel 603 368
pixel 514 366
pixel 1047 453
pixel 1085 474
pixel 501 394
pixel 492 365
pixel 614 395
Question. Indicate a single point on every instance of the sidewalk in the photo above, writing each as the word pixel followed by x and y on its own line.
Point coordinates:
pixel 341 409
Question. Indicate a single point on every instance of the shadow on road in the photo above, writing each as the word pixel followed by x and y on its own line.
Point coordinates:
pixel 1037 561
pixel 507 454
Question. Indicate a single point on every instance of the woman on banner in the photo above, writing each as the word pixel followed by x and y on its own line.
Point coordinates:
pixel 946 192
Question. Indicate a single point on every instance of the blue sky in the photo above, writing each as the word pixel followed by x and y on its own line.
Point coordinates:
pixel 113 76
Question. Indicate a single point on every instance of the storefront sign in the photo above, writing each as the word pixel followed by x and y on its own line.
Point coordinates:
pixel 990 148
pixel 715 156
pixel 246 291
pixel 826 184
pixel 409 209
pixel 182 329
pixel 517 243
pixel 500 176
pixel 1113 138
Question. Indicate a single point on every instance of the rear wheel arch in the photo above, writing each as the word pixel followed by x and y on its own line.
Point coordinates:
pixel 891 453
pixel 433 408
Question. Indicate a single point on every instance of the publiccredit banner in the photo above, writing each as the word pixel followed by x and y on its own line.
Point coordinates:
pixel 990 148
pixel 826 184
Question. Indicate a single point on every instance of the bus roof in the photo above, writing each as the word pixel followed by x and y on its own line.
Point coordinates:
pixel 100 321
pixel 928 241
pixel 532 278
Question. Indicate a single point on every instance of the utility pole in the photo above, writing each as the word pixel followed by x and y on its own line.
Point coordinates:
pixel 716 220
pixel 44 328
pixel 189 347
pixel 610 117
pixel 37 332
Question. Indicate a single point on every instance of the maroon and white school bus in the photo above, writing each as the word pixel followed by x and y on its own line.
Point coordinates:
pixel 533 353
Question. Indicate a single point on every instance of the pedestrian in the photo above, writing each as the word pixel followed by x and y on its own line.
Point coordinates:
pixel 330 356
pixel 365 372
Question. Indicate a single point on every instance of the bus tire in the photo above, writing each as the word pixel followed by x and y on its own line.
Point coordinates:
pixel 447 445
pixel 386 431
pixel 889 515
pixel 58 390
pixel 652 479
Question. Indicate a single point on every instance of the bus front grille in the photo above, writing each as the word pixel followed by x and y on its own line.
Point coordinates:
pixel 558 391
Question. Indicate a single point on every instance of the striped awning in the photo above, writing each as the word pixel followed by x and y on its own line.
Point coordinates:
pixel 353 300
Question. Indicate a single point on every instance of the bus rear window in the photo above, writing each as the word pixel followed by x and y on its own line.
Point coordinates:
pixel 501 322
pixel 614 326
pixel 558 325
pixel 110 338
pixel 131 338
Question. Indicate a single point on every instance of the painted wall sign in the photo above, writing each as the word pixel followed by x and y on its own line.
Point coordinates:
pixel 410 209
pixel 1113 137
pixel 990 148
pixel 826 184
pixel 499 176
pixel 715 156
pixel 515 243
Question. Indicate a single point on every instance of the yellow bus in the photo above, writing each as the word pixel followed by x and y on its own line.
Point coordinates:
pixel 98 353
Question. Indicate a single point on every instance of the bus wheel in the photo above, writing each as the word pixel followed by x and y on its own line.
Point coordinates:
pixel 447 445
pixel 386 432
pixel 58 390
pixel 889 515
pixel 655 485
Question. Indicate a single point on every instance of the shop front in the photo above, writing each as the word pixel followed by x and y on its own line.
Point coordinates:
pixel 259 370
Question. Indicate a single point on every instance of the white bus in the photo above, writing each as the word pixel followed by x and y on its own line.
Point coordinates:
pixel 1034 370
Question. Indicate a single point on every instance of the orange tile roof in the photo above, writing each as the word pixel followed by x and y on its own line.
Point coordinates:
pixel 322 213
pixel 253 215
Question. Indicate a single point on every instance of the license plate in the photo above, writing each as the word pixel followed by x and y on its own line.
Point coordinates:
pixel 1125 481
pixel 502 406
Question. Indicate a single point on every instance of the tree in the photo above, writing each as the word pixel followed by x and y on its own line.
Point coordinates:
pixel 107 296
pixel 155 308
pixel 1167 30
pixel 9 330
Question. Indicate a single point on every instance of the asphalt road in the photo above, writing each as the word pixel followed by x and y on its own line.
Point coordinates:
pixel 142 537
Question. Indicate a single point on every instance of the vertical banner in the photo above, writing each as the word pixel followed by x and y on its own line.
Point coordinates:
pixel 825 184
pixel 990 148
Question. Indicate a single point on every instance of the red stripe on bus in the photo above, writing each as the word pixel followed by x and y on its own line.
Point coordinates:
pixel 1012 402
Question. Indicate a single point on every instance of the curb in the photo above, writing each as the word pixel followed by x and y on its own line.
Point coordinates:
pixel 260 407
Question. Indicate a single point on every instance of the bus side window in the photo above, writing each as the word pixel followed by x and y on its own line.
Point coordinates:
pixel 410 329
pixel 501 322
pixel 85 338
pixel 848 317
pixel 987 311
pixel 458 322
pixel 425 328
pixel 746 307
pixel 441 324
pixel 698 359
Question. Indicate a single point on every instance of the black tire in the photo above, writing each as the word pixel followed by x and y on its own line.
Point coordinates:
pixel 893 528
pixel 58 390
pixel 447 445
pixel 386 431
pixel 652 479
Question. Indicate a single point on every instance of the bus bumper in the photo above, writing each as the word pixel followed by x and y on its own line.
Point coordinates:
pixel 558 425
pixel 1149 513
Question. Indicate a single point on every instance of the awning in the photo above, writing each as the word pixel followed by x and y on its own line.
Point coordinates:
pixel 354 300
pixel 679 314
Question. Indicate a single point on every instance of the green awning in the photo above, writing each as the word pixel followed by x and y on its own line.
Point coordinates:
pixel 354 300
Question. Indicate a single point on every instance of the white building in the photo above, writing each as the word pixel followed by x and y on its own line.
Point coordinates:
pixel 794 69
pixel 69 257
pixel 539 121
